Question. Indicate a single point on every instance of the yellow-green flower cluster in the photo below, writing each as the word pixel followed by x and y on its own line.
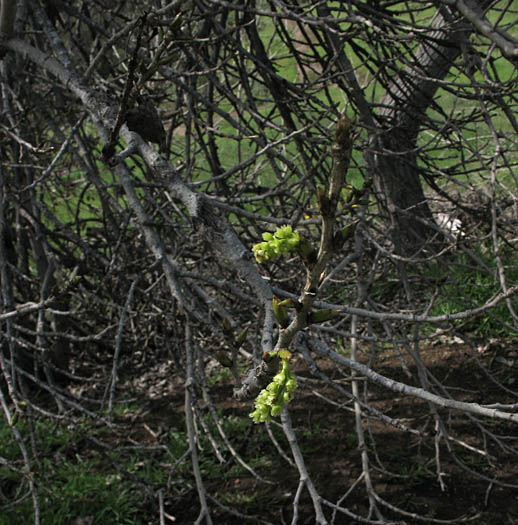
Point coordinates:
pixel 283 240
pixel 271 400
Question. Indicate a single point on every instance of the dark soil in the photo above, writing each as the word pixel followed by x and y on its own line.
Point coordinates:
pixel 403 467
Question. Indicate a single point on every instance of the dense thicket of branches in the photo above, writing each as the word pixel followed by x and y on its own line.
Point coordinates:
pixel 110 259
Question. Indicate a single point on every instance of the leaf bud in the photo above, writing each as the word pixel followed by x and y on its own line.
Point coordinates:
pixel 240 339
pixel 290 303
pixel 281 315
pixel 307 252
pixel 226 327
pixel 320 316
pixel 323 201
pixel 223 359
pixel 346 233
pixel 343 131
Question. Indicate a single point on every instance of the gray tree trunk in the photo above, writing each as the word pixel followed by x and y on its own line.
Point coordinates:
pixel 404 107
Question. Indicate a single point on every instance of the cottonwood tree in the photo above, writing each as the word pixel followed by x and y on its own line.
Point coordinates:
pixel 146 147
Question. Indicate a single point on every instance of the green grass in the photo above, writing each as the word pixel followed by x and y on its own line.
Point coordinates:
pixel 76 479
pixel 465 285
pixel 70 484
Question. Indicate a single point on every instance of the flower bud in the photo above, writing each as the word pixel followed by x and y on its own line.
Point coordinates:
pixel 276 410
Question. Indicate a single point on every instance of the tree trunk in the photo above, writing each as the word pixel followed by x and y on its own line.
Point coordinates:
pixel 409 96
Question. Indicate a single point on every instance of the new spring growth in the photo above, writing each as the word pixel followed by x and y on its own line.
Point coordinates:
pixel 271 400
pixel 280 312
pixel 283 240
pixel 323 315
